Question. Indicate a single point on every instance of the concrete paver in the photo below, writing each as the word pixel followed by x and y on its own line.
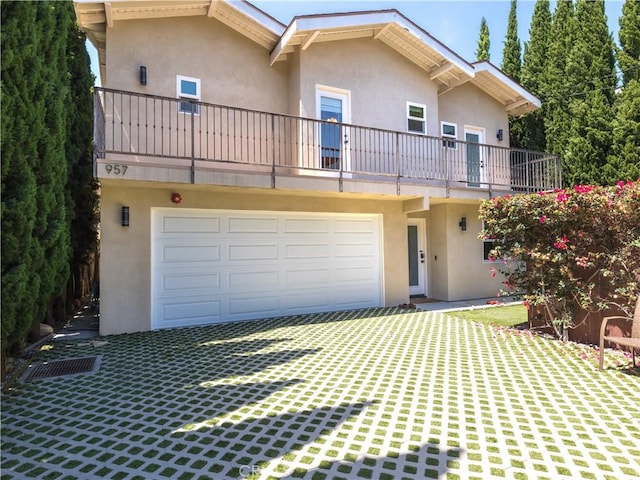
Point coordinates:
pixel 380 394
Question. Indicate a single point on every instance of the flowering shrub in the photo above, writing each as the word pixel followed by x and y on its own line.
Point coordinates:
pixel 568 249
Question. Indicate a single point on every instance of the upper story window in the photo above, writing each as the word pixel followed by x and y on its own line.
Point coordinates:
pixel 449 131
pixel 416 118
pixel 188 88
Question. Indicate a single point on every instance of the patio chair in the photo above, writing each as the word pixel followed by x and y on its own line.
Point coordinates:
pixel 633 341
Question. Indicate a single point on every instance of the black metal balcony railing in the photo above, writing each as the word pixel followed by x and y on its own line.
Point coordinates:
pixel 163 128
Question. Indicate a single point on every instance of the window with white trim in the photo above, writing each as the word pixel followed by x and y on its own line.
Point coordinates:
pixel 487 246
pixel 188 88
pixel 416 118
pixel 449 131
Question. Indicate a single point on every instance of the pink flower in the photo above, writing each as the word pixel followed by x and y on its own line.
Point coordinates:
pixel 542 219
pixel 562 197
pixel 493 271
pixel 561 243
pixel 583 188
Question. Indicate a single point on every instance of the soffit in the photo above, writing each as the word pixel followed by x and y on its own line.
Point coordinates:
pixel 509 93
pixel 388 26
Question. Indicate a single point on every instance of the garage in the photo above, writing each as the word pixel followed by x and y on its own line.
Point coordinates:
pixel 213 266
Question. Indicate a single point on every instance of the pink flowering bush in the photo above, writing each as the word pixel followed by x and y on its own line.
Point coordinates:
pixel 568 249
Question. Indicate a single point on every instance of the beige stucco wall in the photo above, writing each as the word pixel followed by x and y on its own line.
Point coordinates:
pixel 233 69
pixel 125 263
pixel 468 105
pixel 380 81
pixel 459 273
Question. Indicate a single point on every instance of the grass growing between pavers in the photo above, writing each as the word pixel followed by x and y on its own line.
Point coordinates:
pixel 370 394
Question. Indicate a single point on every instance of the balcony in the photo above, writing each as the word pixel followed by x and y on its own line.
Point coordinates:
pixel 196 142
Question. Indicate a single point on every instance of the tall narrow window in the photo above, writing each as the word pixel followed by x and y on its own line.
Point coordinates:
pixel 189 89
pixel 448 131
pixel 487 246
pixel 416 118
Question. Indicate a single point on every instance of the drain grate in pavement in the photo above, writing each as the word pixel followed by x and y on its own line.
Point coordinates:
pixel 59 368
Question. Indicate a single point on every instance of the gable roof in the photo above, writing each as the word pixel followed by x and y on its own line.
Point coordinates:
pixel 388 26
pixel 441 64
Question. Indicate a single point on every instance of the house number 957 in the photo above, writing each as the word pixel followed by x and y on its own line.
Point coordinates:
pixel 115 169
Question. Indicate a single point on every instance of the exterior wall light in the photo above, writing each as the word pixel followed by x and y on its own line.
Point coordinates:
pixel 125 216
pixel 500 134
pixel 176 198
pixel 143 75
pixel 463 224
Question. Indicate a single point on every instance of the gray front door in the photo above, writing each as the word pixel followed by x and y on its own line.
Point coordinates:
pixel 474 162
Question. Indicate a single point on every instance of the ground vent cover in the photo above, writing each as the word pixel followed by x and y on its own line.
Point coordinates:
pixel 61 368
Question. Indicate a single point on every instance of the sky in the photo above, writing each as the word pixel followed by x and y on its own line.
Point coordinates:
pixel 456 23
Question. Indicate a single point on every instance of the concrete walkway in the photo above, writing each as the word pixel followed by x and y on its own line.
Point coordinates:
pixel 372 394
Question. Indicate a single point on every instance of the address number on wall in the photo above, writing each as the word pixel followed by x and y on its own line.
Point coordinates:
pixel 115 168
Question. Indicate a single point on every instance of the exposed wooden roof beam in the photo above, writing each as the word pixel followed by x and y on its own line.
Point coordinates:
pixel 444 68
pixel 108 14
pixel 309 40
pixel 211 12
pixel 382 31
pixel 515 105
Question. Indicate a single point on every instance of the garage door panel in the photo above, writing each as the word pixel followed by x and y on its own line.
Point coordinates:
pixel 190 311
pixel 355 226
pixel 252 252
pixel 308 276
pixel 189 224
pixel 313 300
pixel 298 251
pixel 178 284
pixel 363 273
pixel 252 279
pixel 252 225
pixel 253 306
pixel 215 266
pixel 355 250
pixel 306 226
pixel 189 253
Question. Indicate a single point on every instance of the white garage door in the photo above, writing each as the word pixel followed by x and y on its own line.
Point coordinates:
pixel 211 266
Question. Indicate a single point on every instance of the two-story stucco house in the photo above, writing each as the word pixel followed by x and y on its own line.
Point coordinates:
pixel 251 169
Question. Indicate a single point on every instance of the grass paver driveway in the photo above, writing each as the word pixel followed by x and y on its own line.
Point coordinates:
pixel 372 394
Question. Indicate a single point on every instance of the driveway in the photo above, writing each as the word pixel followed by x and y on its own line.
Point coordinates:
pixel 370 394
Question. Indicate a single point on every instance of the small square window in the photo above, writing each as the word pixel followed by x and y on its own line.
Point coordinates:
pixel 416 118
pixel 449 131
pixel 188 89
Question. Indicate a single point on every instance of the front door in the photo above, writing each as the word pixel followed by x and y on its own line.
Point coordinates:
pixel 475 161
pixel 334 111
pixel 417 255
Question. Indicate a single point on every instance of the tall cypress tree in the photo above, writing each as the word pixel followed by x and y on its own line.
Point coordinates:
pixel 22 121
pixel 533 75
pixel 511 65
pixel 83 188
pixel 558 84
pixel 624 161
pixel 512 53
pixel 38 114
pixel 484 43
pixel 591 70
